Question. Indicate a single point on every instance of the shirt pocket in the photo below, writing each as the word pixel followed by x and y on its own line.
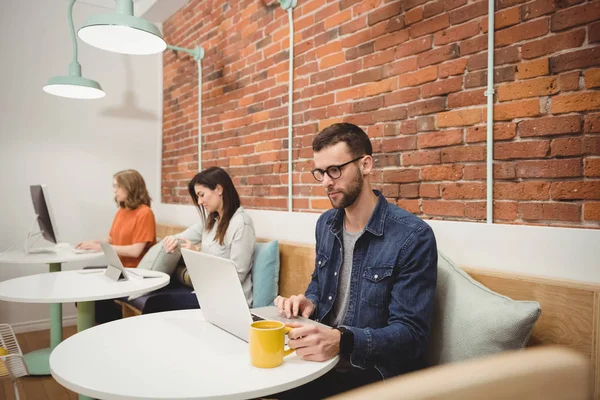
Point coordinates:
pixel 377 285
pixel 320 262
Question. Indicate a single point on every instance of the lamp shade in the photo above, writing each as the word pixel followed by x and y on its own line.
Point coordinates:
pixel 121 33
pixel 74 87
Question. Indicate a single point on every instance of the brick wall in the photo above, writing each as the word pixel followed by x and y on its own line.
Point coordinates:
pixel 412 73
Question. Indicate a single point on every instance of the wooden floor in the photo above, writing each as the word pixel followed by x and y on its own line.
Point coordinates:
pixel 37 388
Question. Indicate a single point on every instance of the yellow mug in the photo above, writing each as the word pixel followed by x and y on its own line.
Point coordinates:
pixel 3 371
pixel 267 341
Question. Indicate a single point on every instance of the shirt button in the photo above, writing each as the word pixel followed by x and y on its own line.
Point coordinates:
pixel 319 262
pixel 330 297
pixel 375 276
pixel 335 274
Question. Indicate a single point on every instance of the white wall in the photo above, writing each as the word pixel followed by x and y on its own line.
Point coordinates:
pixel 562 253
pixel 73 146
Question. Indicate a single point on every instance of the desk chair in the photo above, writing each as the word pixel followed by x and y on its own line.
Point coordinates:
pixel 545 372
pixel 12 364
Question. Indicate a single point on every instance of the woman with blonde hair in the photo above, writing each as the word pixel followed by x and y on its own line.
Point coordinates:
pixel 133 230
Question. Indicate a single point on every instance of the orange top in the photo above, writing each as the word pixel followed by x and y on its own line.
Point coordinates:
pixel 133 226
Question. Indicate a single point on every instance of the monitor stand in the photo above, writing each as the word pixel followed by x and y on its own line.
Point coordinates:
pixel 36 250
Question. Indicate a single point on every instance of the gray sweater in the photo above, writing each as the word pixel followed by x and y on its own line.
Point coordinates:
pixel 238 245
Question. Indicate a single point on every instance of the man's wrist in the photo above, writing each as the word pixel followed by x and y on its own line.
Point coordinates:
pixel 346 340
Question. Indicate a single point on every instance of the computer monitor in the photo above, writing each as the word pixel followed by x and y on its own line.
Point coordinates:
pixel 43 210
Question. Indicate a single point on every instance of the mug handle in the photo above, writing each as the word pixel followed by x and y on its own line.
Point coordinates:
pixel 287 352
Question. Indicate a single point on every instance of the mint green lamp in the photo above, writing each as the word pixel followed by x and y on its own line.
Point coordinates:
pixel 122 32
pixel 74 85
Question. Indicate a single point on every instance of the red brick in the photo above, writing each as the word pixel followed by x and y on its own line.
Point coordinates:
pixel 463 191
pixel 401 175
pixel 479 78
pixel 591 211
pixel 516 109
pixel 550 126
pixel 449 172
pixel 591 145
pixel 399 67
pixel 408 127
pixel 592 123
pixel 550 211
pixel 532 190
pixel 466 98
pixel 566 147
pixel 592 167
pixel 438 55
pixel 502 56
pixel 399 144
pixel 410 205
pixel 529 88
pixel 505 210
pixel 575 60
pixel 427 157
pixel 429 190
pixel 575 190
pixel 526 150
pixel 338 19
pixel 370 75
pixel 383 13
pixel 565 168
pixel 553 44
pixel 501 131
pixel 443 208
pixel 454 34
pixel 532 69
pixel 594 32
pixel 502 170
pixel 508 3
pixel 536 9
pixel 463 153
pixel 332 60
pixel 460 117
pixel 409 190
pixel 503 19
pixel 386 85
pixel 452 4
pixel 396 23
pixel 360 51
pixel 391 39
pixel 371 104
pixel 417 78
pixel 379 58
pixel 413 16
pixel 574 16
pixel 433 8
pixel 523 31
pixel 440 139
pixel 452 68
pixel 568 81
pixel 364 6
pixel 430 26
pixel 469 12
pixel 592 78
pixel 441 87
pixel 579 101
pixel 424 107
pixel 474 45
pixel 426 123
pixel 413 47
pixel 402 96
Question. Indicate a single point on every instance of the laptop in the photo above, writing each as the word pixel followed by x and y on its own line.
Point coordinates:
pixel 114 261
pixel 221 296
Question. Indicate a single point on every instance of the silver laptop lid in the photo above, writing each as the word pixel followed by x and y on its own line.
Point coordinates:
pixel 219 292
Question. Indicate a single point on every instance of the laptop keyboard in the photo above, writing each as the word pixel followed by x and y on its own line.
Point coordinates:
pixel 256 318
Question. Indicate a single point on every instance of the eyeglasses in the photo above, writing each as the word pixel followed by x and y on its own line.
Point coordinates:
pixel 334 171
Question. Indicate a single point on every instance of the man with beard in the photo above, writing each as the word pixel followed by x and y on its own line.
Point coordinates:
pixel 374 279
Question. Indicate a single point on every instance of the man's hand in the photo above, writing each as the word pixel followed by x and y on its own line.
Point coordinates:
pixel 294 305
pixel 314 343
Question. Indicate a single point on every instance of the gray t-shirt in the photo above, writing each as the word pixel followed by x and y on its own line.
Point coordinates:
pixel 338 312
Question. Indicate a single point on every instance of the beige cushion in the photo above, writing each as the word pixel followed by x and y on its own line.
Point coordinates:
pixel 157 259
pixel 471 321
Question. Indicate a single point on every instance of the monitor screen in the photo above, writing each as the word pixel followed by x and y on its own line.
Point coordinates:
pixel 43 211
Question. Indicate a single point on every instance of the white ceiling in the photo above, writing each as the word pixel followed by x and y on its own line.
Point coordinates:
pixel 154 10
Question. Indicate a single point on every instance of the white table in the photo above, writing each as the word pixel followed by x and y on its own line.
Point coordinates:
pixel 171 355
pixel 82 286
pixel 37 361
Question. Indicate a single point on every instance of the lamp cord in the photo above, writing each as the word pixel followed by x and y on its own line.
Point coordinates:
pixel 72 27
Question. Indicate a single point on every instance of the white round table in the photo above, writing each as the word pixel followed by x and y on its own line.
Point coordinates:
pixel 171 355
pixel 37 361
pixel 82 286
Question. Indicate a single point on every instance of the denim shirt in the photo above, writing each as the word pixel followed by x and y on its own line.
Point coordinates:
pixel 392 286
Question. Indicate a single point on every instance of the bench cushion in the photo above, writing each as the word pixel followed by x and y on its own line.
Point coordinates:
pixel 265 273
pixel 471 320
pixel 157 259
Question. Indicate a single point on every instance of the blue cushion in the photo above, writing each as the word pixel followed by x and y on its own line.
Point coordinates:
pixel 265 273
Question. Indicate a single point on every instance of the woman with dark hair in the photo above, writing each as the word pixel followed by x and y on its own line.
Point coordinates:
pixel 133 230
pixel 225 230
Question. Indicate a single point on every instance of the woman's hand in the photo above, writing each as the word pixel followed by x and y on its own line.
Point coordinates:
pixel 186 244
pixel 108 240
pixel 170 244
pixel 89 245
